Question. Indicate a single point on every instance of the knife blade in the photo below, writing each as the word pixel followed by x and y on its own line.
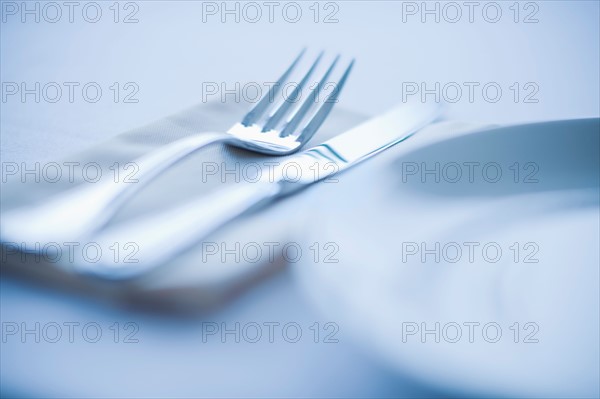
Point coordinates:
pixel 157 238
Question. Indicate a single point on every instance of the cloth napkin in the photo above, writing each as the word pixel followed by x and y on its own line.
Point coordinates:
pixel 194 279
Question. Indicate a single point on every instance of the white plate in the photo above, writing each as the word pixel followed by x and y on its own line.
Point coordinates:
pixel 378 290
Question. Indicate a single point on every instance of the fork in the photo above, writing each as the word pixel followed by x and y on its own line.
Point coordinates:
pixel 87 208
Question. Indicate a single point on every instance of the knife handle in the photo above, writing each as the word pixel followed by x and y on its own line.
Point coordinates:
pixel 82 210
pixel 160 237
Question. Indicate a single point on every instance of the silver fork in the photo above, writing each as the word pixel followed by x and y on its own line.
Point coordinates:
pixel 87 208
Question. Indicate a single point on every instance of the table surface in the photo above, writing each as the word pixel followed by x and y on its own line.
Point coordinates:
pixel 169 55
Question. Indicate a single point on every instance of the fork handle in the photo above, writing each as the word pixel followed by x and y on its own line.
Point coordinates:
pixel 158 238
pixel 70 215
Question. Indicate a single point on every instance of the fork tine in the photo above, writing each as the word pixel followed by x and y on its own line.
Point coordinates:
pixel 288 102
pixel 256 112
pixel 303 110
pixel 322 113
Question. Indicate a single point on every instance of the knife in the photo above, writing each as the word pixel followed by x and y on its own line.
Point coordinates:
pixel 156 239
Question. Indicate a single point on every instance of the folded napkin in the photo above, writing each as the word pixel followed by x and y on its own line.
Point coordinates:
pixel 198 277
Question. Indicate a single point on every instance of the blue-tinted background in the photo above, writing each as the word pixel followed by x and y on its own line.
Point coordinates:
pixel 168 54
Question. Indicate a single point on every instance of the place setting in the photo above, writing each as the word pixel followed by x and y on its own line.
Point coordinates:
pixel 423 252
